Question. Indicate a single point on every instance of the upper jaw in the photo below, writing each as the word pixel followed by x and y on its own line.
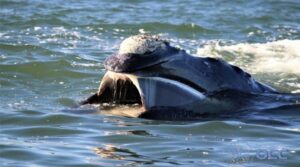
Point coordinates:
pixel 131 62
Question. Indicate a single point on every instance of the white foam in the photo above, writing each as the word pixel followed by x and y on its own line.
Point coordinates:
pixel 85 64
pixel 281 56
pixel 37 28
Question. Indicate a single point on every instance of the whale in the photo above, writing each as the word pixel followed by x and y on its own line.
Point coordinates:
pixel 170 84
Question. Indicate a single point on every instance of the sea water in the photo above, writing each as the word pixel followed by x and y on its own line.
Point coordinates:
pixel 51 55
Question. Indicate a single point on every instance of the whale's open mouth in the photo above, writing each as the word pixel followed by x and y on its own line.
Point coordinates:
pixel 117 88
pixel 149 92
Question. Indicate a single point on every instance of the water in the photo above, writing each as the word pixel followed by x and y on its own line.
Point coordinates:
pixel 51 55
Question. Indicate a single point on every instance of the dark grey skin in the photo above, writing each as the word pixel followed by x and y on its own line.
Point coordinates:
pixel 170 84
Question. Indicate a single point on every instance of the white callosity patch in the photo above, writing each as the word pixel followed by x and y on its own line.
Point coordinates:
pixel 140 44
pixel 278 56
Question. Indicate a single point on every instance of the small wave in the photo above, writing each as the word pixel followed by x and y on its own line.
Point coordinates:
pixel 281 56
pixel 154 27
pixel 12 47
pixel 86 64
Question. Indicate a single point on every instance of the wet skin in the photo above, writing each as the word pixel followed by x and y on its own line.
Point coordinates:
pixel 173 85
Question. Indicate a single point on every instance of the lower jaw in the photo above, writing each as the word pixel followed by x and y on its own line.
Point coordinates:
pixel 140 111
pixel 128 110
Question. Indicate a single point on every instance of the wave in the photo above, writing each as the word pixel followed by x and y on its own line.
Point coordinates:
pixel 280 56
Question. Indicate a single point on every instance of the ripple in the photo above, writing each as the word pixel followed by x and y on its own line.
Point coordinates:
pixel 51 55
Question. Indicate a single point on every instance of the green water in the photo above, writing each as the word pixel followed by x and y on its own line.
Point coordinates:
pixel 51 56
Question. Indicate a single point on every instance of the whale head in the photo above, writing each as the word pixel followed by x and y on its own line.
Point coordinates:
pixel 150 72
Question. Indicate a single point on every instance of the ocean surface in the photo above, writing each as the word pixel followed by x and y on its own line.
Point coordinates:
pixel 51 55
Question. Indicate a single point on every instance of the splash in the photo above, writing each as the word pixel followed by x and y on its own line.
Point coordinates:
pixel 281 56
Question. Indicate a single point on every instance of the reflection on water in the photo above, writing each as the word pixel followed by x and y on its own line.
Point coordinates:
pixel 109 152
pixel 112 152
